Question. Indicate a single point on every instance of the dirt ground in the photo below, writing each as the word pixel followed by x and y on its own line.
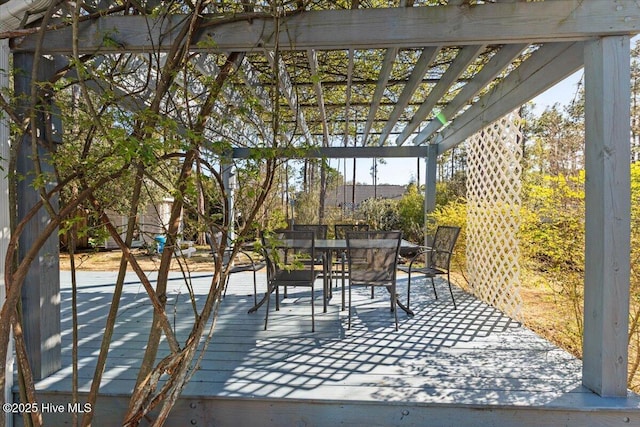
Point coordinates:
pixel 110 261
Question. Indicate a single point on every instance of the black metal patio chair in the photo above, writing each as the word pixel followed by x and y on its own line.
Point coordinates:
pixel 341 230
pixel 288 254
pixel 320 232
pixel 372 257
pixel 437 260
pixel 339 266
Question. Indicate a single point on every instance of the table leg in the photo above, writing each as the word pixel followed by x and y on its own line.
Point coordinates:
pixel 342 262
pixel 325 281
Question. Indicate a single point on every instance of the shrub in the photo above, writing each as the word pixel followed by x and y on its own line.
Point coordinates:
pixel 380 214
pixel 453 213
pixel 410 211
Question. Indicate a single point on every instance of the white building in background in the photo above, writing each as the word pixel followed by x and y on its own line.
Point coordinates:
pixel 151 223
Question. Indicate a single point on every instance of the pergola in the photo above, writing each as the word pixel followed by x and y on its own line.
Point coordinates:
pixel 414 79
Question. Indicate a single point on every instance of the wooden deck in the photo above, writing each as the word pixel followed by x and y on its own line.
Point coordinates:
pixel 445 367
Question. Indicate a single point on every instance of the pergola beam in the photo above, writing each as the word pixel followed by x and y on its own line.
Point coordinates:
pixel 360 82
pixel 497 23
pixel 332 152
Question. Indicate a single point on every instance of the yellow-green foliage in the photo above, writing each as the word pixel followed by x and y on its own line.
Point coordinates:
pixel 453 213
pixel 634 329
pixel 552 224
pixel 410 210
pixel 276 219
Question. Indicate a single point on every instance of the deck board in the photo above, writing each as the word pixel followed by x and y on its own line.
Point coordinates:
pixel 470 358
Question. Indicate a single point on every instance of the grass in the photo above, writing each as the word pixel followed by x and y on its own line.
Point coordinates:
pixel 546 316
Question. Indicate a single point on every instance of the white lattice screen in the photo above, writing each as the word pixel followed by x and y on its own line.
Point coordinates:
pixel 493 211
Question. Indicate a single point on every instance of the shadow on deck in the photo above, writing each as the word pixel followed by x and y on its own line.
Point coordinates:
pixel 445 367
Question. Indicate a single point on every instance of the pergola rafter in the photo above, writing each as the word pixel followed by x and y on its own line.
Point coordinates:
pixel 347 104
pixel 489 72
pixel 288 90
pixel 383 79
pixel 317 87
pixel 547 66
pixel 466 56
pixel 426 58
pixel 316 31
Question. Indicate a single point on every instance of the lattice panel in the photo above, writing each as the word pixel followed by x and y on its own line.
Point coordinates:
pixel 493 211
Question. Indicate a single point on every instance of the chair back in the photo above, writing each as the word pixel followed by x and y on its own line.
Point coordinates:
pixel 373 256
pixel 319 233
pixel 341 230
pixel 287 253
pixel 319 230
pixel 443 244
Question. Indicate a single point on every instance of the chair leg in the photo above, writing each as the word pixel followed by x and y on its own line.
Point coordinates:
pixel 266 315
pixel 349 324
pixel 325 293
pixel 433 285
pixel 455 307
pixel 313 319
pixel 226 285
pixel 255 288
pixel 328 263
pixel 343 283
pixel 393 304
pixel 326 288
pixel 409 289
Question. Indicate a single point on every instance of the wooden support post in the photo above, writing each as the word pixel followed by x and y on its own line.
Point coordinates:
pixel 4 212
pixel 229 183
pixel 41 291
pixel 430 188
pixel 607 203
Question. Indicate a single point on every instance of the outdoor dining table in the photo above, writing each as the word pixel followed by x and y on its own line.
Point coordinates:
pixel 328 247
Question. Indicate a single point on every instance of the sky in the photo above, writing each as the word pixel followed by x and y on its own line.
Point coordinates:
pixel 403 171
